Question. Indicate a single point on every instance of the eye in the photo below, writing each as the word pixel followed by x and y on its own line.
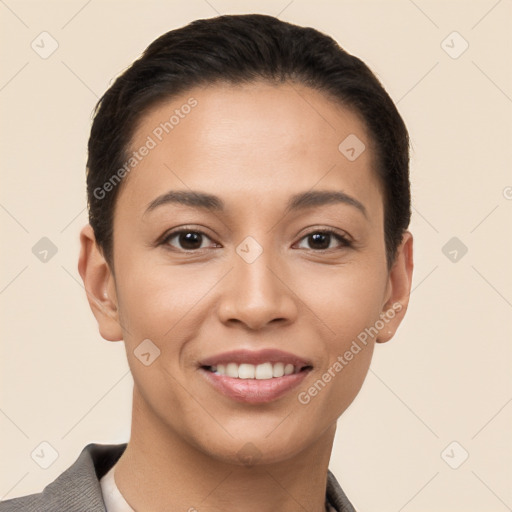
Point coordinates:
pixel 193 239
pixel 321 239
pixel 190 239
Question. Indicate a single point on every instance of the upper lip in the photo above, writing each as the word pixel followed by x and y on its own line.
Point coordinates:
pixel 269 355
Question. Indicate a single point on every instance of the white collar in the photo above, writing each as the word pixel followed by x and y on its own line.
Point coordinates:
pixel 114 500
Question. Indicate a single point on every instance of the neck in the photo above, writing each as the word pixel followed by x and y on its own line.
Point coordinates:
pixel 160 471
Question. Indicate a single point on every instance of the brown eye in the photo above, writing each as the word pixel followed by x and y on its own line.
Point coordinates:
pixel 321 240
pixel 187 239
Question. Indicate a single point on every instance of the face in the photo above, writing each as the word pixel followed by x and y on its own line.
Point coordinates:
pixel 241 313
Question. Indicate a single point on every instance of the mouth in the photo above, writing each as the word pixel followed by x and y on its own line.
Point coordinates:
pixel 255 377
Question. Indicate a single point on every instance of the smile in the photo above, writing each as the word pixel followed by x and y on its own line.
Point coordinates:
pixel 255 377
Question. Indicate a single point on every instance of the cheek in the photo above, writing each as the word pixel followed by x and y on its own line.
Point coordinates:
pixel 349 310
pixel 154 299
pixel 345 299
pixel 156 308
pixel 336 384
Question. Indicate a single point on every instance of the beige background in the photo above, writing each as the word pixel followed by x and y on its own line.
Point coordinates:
pixel 445 377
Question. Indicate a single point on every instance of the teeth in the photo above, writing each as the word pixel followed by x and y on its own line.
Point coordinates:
pixel 262 371
pixel 278 370
pixel 246 371
pixel 232 370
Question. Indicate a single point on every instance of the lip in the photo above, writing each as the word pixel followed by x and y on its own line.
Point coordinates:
pixel 255 391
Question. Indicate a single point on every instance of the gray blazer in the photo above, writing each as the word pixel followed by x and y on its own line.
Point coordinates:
pixel 78 488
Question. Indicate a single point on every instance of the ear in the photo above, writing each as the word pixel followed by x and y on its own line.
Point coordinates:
pixel 398 289
pixel 99 285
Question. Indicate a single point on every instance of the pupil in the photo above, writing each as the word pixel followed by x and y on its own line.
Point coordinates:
pixel 320 236
pixel 189 239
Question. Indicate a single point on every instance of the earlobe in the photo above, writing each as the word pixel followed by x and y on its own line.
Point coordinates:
pixel 99 286
pixel 399 289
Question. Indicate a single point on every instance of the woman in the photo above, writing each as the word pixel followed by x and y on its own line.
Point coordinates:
pixel 249 202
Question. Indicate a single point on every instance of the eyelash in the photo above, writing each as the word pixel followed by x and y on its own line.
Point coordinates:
pixel 345 242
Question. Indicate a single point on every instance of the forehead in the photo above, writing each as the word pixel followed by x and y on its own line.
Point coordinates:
pixel 263 141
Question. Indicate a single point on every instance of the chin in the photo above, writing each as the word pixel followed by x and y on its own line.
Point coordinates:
pixel 260 445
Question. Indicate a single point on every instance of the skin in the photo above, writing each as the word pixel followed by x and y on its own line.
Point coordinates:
pixel 254 146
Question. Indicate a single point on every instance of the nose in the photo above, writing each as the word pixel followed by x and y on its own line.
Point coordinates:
pixel 257 293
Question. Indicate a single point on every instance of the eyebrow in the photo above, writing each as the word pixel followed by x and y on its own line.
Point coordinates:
pixel 214 203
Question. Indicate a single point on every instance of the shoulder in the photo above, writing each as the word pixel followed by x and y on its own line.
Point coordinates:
pixel 76 489
pixel 336 496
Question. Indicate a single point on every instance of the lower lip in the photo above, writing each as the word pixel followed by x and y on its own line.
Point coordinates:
pixel 254 391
